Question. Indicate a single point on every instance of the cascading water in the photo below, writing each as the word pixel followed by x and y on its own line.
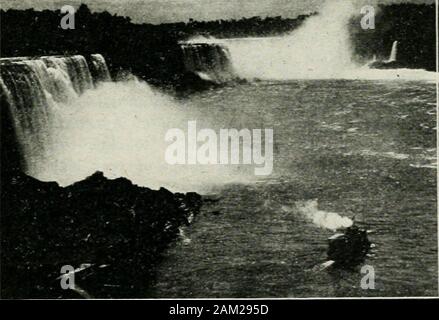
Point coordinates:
pixel 99 68
pixel 34 88
pixel 211 62
pixel 394 52
pixel 319 49
pixel 68 128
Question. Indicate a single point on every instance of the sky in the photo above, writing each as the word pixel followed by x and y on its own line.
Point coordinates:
pixel 159 11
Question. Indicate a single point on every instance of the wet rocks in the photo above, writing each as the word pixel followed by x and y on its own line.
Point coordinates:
pixel 119 229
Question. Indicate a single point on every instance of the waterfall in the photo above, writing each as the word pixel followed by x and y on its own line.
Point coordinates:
pixel 33 88
pixel 99 68
pixel 394 52
pixel 320 48
pixel 211 62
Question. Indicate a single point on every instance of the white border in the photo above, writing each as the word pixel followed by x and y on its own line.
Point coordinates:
pixel 437 124
pixel 318 298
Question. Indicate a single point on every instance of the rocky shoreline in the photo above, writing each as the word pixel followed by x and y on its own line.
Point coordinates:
pixel 113 232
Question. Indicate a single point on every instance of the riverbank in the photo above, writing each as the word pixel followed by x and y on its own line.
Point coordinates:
pixel 114 232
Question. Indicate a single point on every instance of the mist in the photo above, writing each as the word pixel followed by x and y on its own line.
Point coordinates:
pixel 119 128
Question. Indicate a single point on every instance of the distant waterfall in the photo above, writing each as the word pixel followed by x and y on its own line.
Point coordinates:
pixel 99 68
pixel 211 62
pixel 33 88
pixel 394 52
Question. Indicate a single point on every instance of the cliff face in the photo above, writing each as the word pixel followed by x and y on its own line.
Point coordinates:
pixel 115 230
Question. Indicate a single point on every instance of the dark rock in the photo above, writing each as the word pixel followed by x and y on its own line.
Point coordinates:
pixel 96 221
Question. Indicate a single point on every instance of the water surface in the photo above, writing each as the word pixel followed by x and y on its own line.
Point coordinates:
pixel 363 149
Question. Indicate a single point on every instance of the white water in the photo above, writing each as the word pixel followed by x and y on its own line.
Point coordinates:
pixel 70 128
pixel 319 49
pixel 394 52
pixel 119 128
pixel 323 219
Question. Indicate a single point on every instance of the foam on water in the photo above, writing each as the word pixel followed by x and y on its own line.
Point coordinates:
pixel 323 219
pixel 319 49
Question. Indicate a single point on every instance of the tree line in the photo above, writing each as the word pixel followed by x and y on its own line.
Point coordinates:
pixel 153 53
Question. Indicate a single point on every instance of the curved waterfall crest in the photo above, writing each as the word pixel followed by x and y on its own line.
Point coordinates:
pixel 32 87
pixel 211 62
